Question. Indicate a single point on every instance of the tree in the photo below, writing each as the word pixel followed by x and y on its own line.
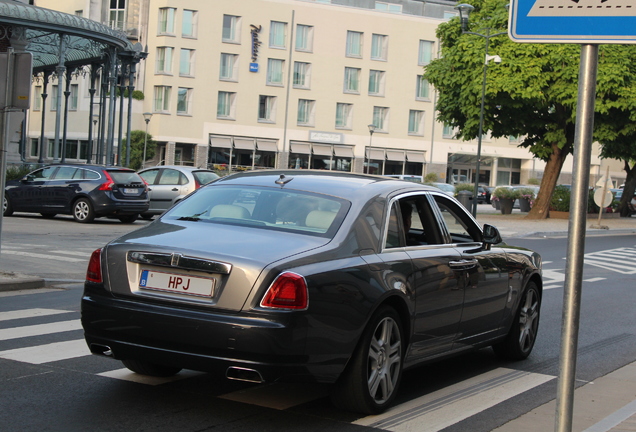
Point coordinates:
pixel 137 138
pixel 532 93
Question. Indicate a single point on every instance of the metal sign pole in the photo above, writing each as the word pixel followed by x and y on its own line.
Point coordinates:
pixel 576 237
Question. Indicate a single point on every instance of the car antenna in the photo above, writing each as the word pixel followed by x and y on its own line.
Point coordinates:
pixel 282 180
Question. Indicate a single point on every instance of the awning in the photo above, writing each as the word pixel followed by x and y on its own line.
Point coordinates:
pixel 224 142
pixel 244 143
pixel 343 151
pixel 415 157
pixel 322 150
pixel 395 155
pixel 266 145
pixel 302 148
pixel 375 154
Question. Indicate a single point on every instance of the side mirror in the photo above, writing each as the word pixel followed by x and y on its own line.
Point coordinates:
pixel 491 235
pixel 26 179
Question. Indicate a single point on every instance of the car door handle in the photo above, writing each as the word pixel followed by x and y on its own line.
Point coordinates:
pixel 464 264
pixel 175 190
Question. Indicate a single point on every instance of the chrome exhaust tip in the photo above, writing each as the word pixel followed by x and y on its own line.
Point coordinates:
pixel 244 374
pixel 101 350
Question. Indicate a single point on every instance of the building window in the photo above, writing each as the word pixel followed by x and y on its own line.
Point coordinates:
pixel 186 62
pixel 229 67
pixel 376 83
pixel 277 34
pixel 231 28
pixel 352 80
pixel 416 122
pixel 35 148
pixel 55 94
pixel 72 99
pixel 344 114
pixel 381 119
pixel 514 140
pixel 162 98
pixel 166 20
pixel 164 60
pixel 183 100
pixel 426 53
pixel 189 24
pixel 354 44
pixel 37 99
pixel 304 38
pixel 422 88
pixel 275 72
pixel 388 7
pixel 306 112
pixel 449 131
pixel 379 46
pixel 302 73
pixel 117 16
pixel 225 105
pixel 267 108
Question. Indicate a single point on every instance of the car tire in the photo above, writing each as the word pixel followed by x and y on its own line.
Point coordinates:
pixel 151 369
pixel 48 215
pixel 128 219
pixel 83 211
pixel 371 380
pixel 146 216
pixel 7 208
pixel 520 340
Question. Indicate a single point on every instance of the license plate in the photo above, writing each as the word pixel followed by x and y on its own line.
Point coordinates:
pixel 129 191
pixel 180 284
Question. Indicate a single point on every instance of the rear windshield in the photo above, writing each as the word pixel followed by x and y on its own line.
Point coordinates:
pixel 266 208
pixel 205 177
pixel 125 177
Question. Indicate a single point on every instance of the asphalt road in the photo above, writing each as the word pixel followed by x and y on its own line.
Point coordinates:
pixel 48 381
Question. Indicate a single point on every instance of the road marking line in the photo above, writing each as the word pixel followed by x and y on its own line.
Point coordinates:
pixel 547 287
pixel 39 329
pixel 614 419
pixel 47 257
pixel 48 353
pixel 127 375
pixel 445 407
pixel 597 279
pixel 280 396
pixel 29 313
pixel 66 252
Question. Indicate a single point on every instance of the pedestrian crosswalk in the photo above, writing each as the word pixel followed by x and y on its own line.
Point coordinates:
pixel 26 338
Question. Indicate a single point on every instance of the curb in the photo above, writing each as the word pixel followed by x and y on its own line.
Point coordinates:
pixel 18 281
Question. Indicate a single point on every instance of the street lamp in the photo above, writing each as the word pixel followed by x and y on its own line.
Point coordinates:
pixel 147 117
pixel 464 12
pixel 368 159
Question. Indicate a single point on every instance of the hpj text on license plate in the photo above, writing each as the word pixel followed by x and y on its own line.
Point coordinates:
pixel 181 284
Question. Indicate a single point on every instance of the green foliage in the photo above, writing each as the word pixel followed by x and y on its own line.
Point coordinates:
pixel 431 178
pixel 16 172
pixel 560 199
pixel 503 192
pixel 464 187
pixel 136 94
pixel 534 181
pixel 137 149
pixel 526 193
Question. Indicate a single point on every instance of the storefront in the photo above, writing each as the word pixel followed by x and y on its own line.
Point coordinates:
pixel 384 161
pixel 308 155
pixel 235 153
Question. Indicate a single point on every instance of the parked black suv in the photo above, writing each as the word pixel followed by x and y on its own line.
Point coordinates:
pixel 84 191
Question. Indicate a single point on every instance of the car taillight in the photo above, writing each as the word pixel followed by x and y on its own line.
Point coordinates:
pixel 288 291
pixel 108 184
pixel 94 271
pixel 197 185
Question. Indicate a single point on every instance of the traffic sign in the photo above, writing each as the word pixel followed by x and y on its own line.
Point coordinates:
pixel 573 21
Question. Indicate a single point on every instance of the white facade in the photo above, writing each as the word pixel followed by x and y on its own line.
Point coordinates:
pixel 256 84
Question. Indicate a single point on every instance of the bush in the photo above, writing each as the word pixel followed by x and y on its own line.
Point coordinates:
pixel 16 172
pixel 464 187
pixel 534 181
pixel 561 200
pixel 506 193
pixel 431 178
pixel 526 193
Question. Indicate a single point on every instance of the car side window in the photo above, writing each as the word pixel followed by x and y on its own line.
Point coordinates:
pixel 91 175
pixel 183 180
pixel 458 223
pixel 169 177
pixel 42 174
pixel 395 233
pixel 149 176
pixel 79 174
pixel 413 223
pixel 65 173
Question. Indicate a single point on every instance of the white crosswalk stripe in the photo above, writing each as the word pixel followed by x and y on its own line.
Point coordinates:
pixel 39 329
pixel 620 260
pixel 48 353
pixel 29 313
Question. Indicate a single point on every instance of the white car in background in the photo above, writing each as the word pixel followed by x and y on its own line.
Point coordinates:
pixel 168 184
pixel 448 189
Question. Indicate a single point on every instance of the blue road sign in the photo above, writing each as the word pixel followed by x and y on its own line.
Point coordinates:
pixel 573 21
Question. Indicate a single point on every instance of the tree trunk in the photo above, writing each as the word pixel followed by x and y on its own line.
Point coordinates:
pixel 628 190
pixel 541 207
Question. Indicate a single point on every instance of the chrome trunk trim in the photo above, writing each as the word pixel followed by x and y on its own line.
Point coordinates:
pixel 177 260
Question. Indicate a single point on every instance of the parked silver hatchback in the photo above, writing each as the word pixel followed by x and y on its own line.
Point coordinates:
pixel 169 184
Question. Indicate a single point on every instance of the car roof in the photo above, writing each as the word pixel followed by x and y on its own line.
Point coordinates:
pixel 178 167
pixel 90 166
pixel 345 185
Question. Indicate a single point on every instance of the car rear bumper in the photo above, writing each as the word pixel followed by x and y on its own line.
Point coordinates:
pixel 274 347
pixel 120 208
